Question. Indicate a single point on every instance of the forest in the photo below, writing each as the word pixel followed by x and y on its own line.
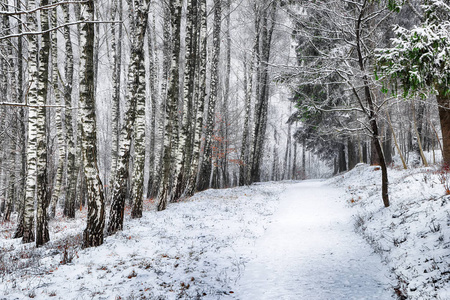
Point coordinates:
pixel 112 108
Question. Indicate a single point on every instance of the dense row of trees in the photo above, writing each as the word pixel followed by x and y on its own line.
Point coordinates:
pixel 106 103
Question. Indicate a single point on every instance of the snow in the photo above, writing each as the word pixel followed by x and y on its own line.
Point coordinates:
pixel 192 249
pixel 413 234
pixel 284 240
pixel 310 251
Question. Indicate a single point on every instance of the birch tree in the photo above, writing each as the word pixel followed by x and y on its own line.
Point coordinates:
pixel 200 98
pixel 43 196
pixel 93 234
pixel 171 105
pixel 182 151
pixel 27 232
pixel 205 171
pixel 71 178
pixel 262 95
pixel 134 125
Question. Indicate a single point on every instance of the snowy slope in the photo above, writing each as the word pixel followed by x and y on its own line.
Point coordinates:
pixel 193 249
pixel 413 234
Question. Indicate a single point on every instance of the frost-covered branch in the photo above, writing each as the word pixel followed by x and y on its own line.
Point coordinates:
pixel 44 7
pixel 52 29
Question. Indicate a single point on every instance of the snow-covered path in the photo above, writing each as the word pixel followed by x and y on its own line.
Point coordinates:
pixel 310 251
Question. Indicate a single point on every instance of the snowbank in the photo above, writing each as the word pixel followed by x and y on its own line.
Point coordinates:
pixel 413 234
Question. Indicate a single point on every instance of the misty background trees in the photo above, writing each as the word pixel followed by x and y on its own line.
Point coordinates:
pixel 105 104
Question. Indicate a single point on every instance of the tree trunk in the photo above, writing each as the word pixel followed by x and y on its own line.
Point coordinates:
pixel 205 171
pixel 93 234
pixel 418 131
pixel 154 91
pixel 171 105
pixel 116 81
pixel 166 69
pixel 58 188
pixel 396 143
pixel 243 166
pixel 262 94
pixel 136 99
pixel 303 175
pixel 200 99
pixel 28 216
pixel 351 153
pixel 189 77
pixel 69 204
pixel 342 160
pixel 142 8
pixel 444 117
pixel 226 99
pixel 23 132
pixel 372 113
pixel 43 196
pixel 387 145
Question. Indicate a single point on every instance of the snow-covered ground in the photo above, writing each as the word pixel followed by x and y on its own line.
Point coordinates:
pixel 413 234
pixel 311 251
pixel 288 240
pixel 194 249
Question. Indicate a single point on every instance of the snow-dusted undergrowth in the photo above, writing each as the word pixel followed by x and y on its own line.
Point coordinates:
pixel 194 249
pixel 413 234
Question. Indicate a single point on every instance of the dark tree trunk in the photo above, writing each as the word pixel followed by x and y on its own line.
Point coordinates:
pixel 374 157
pixel 364 153
pixel 387 145
pixel 372 110
pixel 342 160
pixel 444 117
pixel 351 154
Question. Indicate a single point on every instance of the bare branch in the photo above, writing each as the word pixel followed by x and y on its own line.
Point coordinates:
pixel 53 29
pixel 45 7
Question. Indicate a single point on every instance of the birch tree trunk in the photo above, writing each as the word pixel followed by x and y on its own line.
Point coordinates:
pixel 142 8
pixel 166 69
pixel 10 68
pixel 28 234
pixel 134 122
pixel 23 132
pixel 205 171
pixel 226 99
pixel 200 98
pixel 189 77
pixel 93 234
pixel 171 105
pixel 61 170
pixel 116 80
pixel 263 93
pixel 69 204
pixel 155 97
pixel 248 83
pixel 43 196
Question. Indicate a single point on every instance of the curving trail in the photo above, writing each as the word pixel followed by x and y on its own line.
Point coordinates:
pixel 310 251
